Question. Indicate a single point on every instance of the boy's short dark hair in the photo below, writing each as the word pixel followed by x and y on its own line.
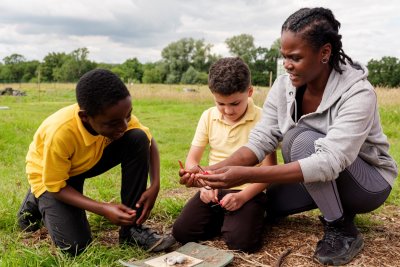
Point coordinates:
pixel 99 89
pixel 228 76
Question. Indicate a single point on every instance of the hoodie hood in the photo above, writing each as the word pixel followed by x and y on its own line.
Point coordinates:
pixel 338 84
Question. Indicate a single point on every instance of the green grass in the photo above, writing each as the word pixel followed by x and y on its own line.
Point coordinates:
pixel 171 115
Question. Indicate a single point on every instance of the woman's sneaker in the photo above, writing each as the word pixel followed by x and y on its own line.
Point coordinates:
pixel 29 217
pixel 146 238
pixel 341 242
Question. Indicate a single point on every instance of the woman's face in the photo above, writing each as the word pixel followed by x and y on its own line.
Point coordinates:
pixel 301 61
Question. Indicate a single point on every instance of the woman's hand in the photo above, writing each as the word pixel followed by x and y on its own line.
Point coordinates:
pixel 225 177
pixel 209 195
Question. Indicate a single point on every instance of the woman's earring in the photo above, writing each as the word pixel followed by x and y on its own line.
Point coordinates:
pixel 325 60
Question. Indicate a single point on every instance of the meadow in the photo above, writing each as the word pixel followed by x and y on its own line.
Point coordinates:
pixel 172 115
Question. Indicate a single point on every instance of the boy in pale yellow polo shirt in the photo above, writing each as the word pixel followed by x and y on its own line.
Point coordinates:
pixel 225 128
pixel 84 140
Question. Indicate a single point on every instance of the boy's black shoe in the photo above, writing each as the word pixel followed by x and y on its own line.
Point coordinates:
pixel 29 217
pixel 341 242
pixel 146 238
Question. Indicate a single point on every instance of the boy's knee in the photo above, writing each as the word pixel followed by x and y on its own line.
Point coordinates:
pixel 242 243
pixel 180 233
pixel 135 137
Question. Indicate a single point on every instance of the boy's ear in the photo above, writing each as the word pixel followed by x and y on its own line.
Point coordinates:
pixel 250 91
pixel 83 115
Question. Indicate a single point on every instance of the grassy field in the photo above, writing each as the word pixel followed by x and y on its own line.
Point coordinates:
pixel 172 115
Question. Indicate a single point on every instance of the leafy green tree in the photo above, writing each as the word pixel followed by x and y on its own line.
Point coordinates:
pixel 261 60
pixel 132 70
pixel 259 67
pixel 75 65
pixel 118 71
pixel 179 56
pixel 152 73
pixel 192 76
pixel 384 72
pixel 242 46
pixel 51 61
pixel 30 69
pixel 13 68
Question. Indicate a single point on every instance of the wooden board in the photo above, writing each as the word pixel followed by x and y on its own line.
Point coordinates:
pixel 209 256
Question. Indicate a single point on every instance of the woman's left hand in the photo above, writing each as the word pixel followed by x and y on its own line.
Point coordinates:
pixel 225 177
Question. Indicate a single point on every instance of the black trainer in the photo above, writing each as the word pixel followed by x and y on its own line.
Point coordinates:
pixel 29 217
pixel 341 242
pixel 146 238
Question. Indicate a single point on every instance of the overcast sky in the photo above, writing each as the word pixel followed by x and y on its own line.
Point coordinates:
pixel 115 30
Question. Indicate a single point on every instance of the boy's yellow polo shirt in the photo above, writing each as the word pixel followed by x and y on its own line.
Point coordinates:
pixel 63 148
pixel 224 139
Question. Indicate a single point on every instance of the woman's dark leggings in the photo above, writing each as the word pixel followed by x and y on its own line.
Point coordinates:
pixel 359 188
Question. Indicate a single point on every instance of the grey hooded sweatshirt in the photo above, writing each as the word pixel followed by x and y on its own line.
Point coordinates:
pixel 347 115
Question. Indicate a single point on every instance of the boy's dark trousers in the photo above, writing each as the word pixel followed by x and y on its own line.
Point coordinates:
pixel 68 225
pixel 241 229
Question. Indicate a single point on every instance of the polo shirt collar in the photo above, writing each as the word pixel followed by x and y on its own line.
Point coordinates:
pixel 249 116
pixel 88 138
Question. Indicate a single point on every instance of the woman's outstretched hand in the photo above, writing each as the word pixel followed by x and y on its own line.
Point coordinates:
pixel 225 177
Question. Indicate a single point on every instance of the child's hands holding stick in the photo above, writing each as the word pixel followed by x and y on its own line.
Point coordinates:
pixel 188 176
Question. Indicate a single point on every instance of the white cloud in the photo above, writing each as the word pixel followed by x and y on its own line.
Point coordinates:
pixel 115 30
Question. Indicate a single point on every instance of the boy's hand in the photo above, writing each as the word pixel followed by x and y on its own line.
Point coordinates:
pixel 119 214
pixel 207 195
pixel 232 201
pixel 146 203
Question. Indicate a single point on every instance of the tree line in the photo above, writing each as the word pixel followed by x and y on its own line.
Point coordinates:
pixel 185 61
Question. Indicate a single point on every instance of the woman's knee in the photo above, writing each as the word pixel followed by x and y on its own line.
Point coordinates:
pixel 298 143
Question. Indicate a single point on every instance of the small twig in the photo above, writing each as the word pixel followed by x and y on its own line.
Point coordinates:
pixel 282 257
pixel 181 164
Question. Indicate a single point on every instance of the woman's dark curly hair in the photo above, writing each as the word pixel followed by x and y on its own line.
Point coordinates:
pixel 99 89
pixel 318 27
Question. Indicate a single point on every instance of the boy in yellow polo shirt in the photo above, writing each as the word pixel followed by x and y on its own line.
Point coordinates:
pixel 82 141
pixel 237 213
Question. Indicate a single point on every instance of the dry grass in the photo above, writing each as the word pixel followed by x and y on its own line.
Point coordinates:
pixel 386 96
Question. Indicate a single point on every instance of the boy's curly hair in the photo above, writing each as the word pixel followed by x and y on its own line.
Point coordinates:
pixel 228 76
pixel 99 89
